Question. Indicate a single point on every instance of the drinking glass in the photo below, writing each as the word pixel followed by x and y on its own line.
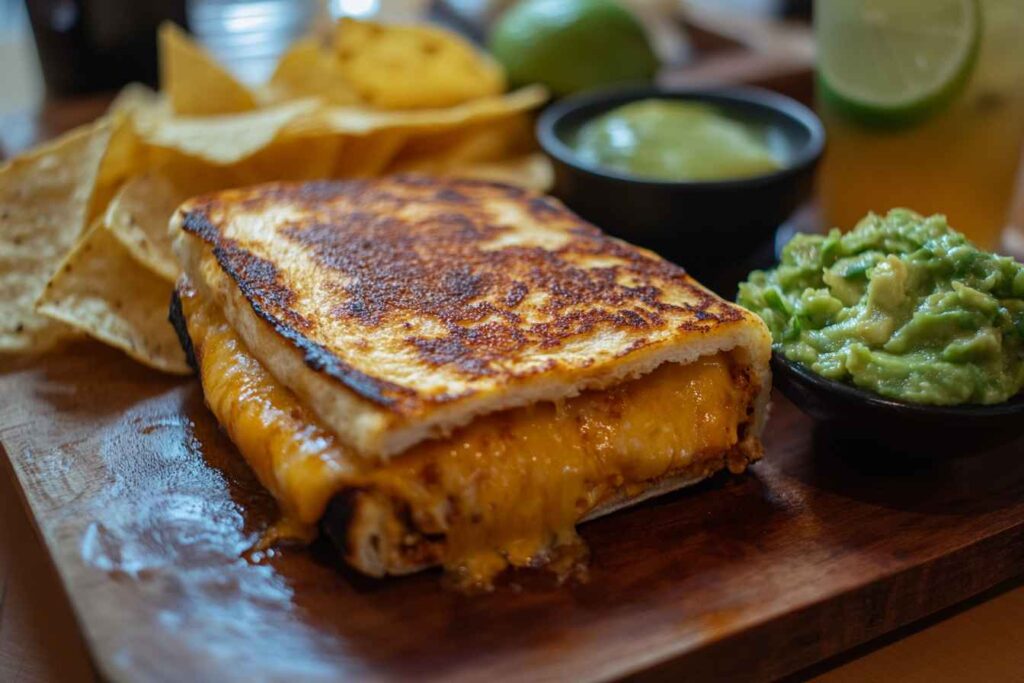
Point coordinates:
pixel 960 161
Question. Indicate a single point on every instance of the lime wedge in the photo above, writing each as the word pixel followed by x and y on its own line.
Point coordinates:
pixel 895 62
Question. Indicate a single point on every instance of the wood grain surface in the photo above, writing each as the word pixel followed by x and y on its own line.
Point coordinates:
pixel 39 639
pixel 150 517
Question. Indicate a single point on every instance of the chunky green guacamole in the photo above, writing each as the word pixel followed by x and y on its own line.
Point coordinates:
pixel 674 140
pixel 903 306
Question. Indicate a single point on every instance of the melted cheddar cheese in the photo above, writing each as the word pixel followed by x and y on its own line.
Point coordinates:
pixel 509 488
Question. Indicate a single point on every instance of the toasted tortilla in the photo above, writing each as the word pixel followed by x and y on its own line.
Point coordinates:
pixel 399 309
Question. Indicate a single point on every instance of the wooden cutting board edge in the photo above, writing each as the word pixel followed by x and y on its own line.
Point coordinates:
pixel 806 632
pixel 10 469
pixel 881 608
pixel 873 609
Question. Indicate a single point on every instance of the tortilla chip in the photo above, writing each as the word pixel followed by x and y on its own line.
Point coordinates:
pixel 44 197
pixel 101 290
pixel 362 120
pixel 304 158
pixel 138 217
pixel 196 84
pixel 207 131
pixel 368 155
pixel 532 171
pixel 413 67
pixel 135 97
pixel 221 139
pixel 309 70
pixel 496 140
pixel 125 155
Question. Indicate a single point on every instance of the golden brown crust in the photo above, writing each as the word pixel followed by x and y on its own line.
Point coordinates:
pixel 433 300
pixel 440 267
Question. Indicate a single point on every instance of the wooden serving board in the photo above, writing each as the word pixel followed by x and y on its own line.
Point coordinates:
pixel 149 515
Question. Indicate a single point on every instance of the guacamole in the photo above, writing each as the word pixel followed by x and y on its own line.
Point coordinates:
pixel 903 306
pixel 673 140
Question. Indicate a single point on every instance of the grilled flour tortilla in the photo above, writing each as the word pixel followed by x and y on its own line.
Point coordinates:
pixel 457 372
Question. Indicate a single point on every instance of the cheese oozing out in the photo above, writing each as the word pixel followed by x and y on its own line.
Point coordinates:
pixel 507 489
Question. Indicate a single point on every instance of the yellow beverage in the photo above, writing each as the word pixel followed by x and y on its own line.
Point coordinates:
pixel 960 160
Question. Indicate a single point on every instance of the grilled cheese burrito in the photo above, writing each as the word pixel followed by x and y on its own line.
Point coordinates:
pixel 457 372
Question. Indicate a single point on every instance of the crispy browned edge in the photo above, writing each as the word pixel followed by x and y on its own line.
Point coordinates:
pixel 258 279
pixel 176 316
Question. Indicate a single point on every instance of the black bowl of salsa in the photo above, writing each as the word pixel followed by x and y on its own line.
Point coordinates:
pixel 700 224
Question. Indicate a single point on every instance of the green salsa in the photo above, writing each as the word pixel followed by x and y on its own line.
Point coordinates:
pixel 674 140
pixel 903 306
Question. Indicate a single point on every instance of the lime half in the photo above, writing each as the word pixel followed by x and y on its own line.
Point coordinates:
pixel 895 62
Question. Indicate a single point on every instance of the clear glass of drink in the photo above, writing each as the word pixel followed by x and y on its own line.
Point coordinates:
pixel 923 102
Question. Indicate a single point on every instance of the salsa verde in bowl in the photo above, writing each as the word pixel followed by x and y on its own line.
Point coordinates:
pixel 901 330
pixel 677 140
pixel 703 176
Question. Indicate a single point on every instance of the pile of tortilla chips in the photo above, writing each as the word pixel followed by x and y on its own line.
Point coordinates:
pixel 84 246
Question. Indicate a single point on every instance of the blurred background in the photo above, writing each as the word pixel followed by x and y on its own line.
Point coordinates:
pixel 61 59
pixel 59 49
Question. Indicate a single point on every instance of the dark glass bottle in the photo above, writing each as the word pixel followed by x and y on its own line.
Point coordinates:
pixel 95 45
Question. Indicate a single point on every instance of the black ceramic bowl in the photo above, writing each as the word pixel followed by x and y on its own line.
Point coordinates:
pixel 857 418
pixel 699 224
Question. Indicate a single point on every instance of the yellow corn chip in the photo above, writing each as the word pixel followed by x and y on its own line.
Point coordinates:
pixel 413 67
pixel 325 117
pixel 495 140
pixel 126 154
pixel 189 174
pixel 221 139
pixel 532 171
pixel 44 198
pixel 367 155
pixel 195 83
pixel 309 70
pixel 304 158
pixel 138 217
pixel 361 120
pixel 101 290
pixel 135 97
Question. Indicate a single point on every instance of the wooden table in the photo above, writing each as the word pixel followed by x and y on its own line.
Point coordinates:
pixel 39 640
